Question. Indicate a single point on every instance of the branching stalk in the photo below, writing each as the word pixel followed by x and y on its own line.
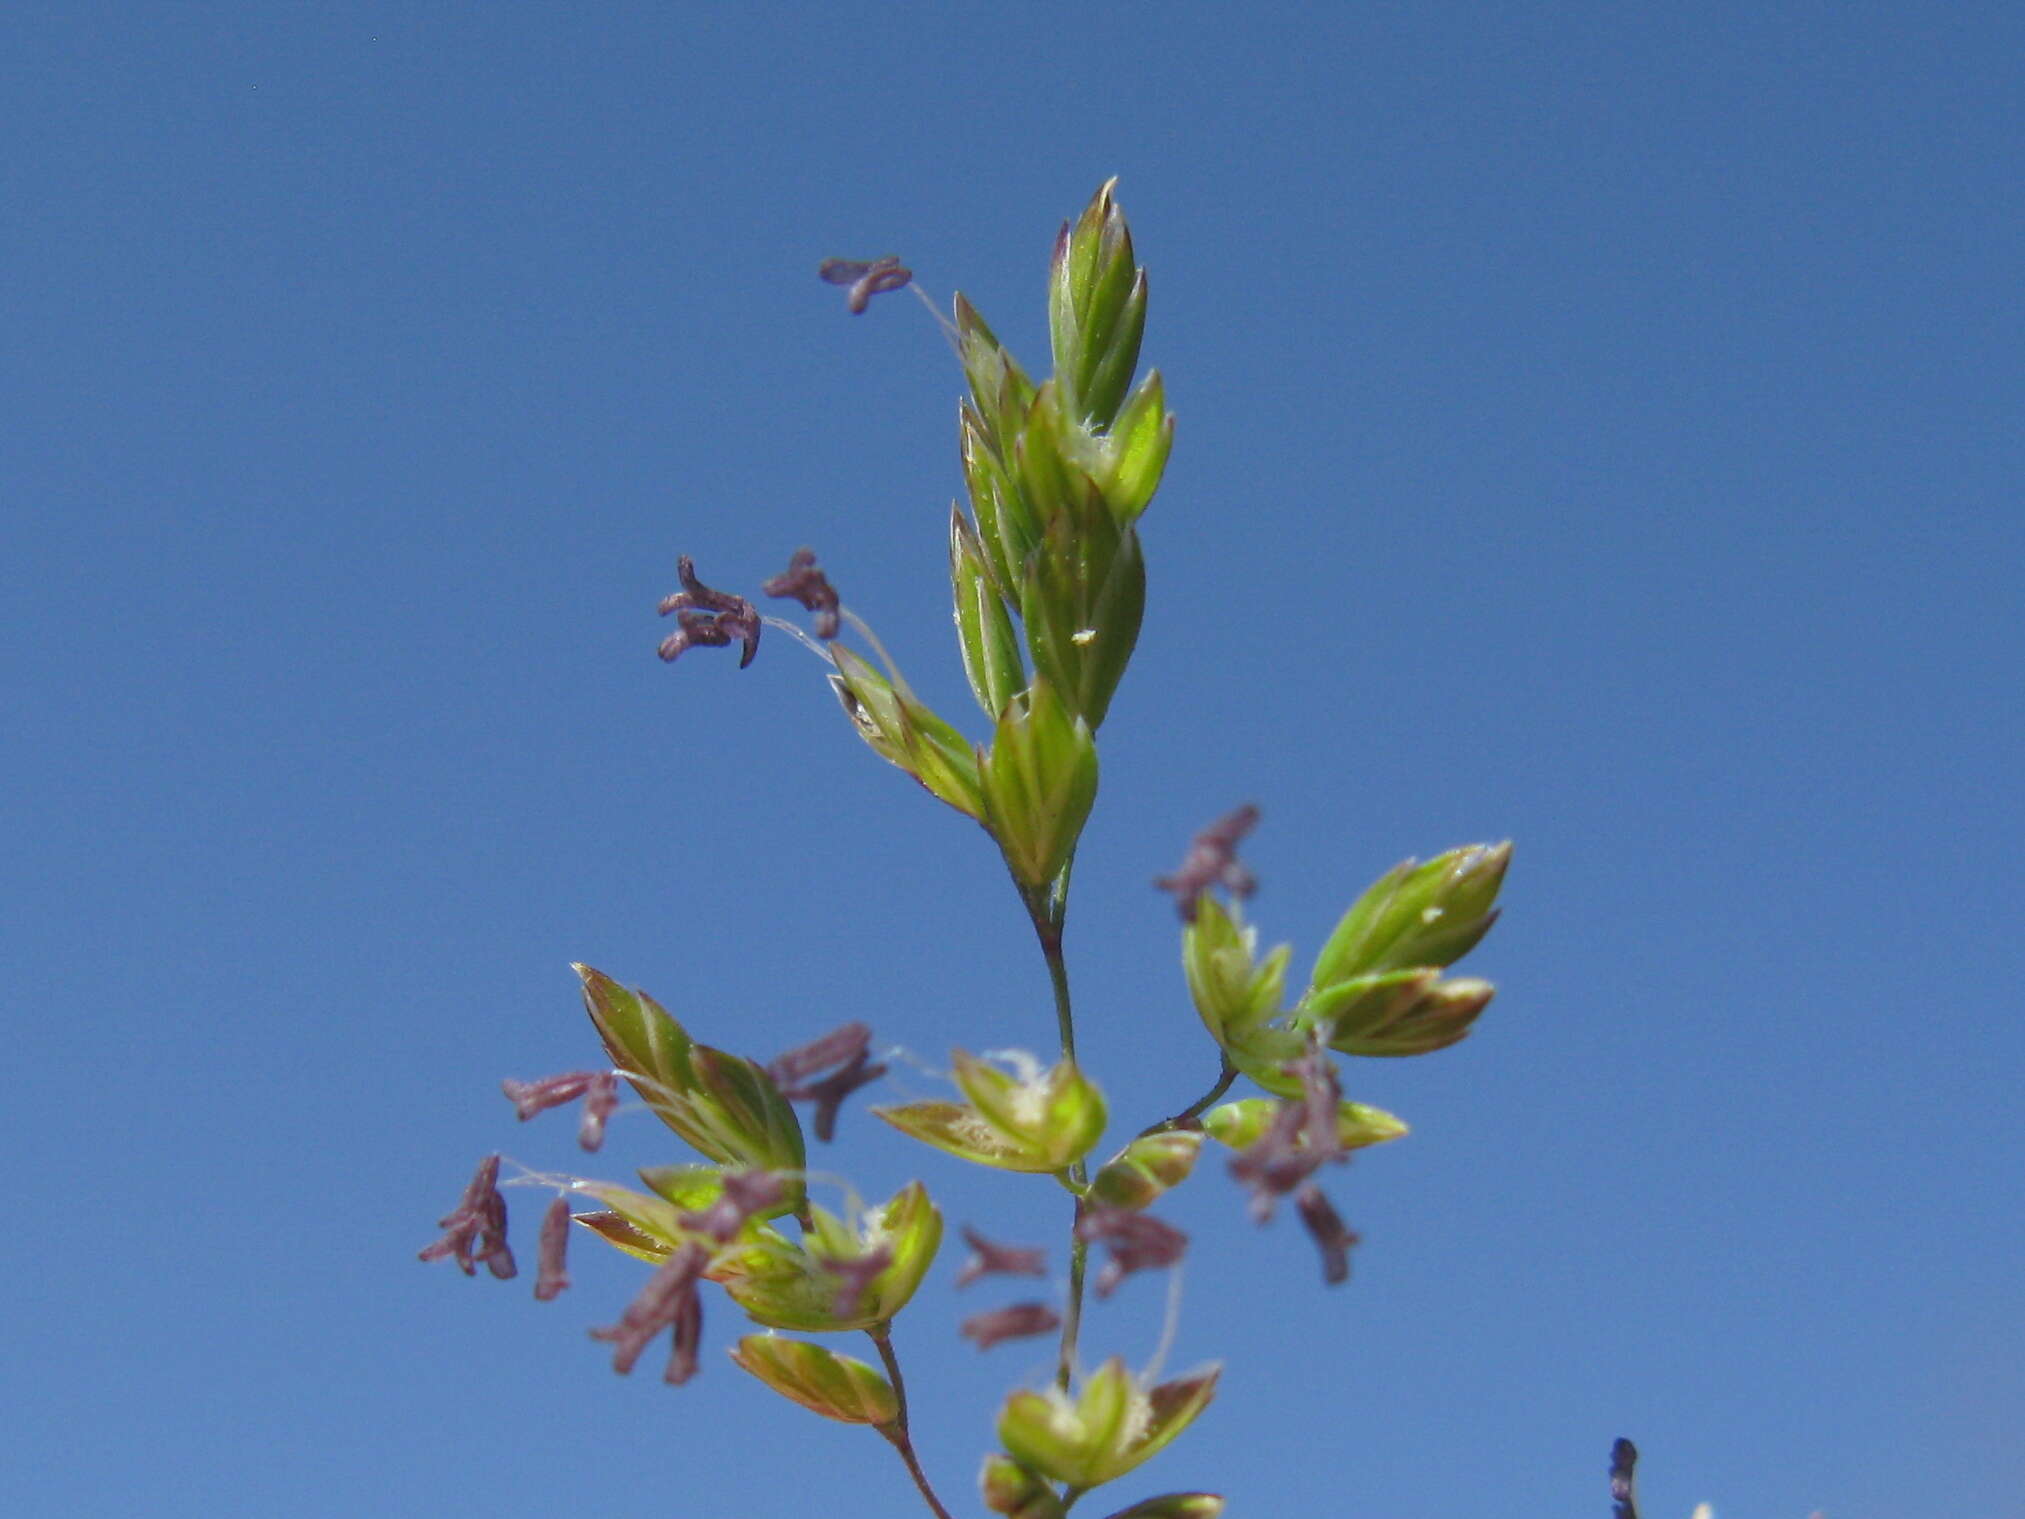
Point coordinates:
pixel 897 1432
pixel 1196 1108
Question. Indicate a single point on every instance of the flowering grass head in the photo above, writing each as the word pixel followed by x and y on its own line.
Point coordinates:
pixel 1048 584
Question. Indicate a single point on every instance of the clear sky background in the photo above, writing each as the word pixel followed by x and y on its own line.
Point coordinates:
pixel 1599 426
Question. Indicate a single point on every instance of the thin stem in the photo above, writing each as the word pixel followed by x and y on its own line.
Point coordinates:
pixel 1196 1107
pixel 1072 1311
pixel 1049 908
pixel 896 1432
pixel 1058 976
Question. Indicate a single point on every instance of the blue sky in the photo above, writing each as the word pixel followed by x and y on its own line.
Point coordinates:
pixel 1598 427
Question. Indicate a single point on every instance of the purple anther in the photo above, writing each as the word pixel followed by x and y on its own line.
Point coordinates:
pixel 601 1101
pixel 1014 1323
pixel 688 1338
pixel 1300 1140
pixel 708 618
pixel 855 1277
pixel 839 1046
pixel 1137 1242
pixel 659 1304
pixel 1212 861
pixel 532 1097
pixel 475 1230
pixel 745 1193
pixel 848 1048
pixel 551 1271
pixel 989 1258
pixel 866 279
pixel 805 582
pixel 1334 1237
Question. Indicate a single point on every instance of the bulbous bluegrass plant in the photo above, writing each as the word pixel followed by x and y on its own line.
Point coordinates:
pixel 1049 584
